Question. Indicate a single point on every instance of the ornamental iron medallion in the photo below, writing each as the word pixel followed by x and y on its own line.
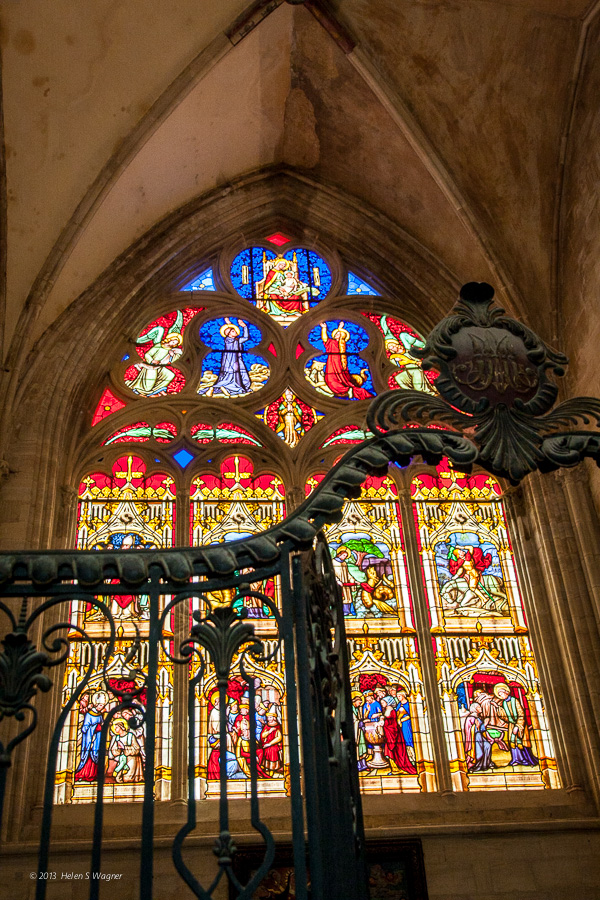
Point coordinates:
pixel 495 385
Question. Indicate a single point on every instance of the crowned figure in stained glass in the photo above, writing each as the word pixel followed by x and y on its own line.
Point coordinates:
pixel 281 293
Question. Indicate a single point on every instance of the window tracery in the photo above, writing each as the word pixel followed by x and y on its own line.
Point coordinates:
pixel 246 411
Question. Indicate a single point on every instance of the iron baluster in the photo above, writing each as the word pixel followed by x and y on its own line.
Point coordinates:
pixel 292 673
pixel 154 643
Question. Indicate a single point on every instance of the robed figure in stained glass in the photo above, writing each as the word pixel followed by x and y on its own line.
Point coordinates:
pixel 512 713
pixel 270 748
pixel 478 742
pixel 394 747
pixel 338 377
pixel 289 418
pixel 91 729
pixel 127 749
pixel 233 377
pixel 281 293
pixel 153 375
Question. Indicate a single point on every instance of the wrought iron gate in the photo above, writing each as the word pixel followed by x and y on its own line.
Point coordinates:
pixel 493 386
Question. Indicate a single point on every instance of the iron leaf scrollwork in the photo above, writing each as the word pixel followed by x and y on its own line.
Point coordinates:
pixel 21 676
pixel 222 632
pixel 494 385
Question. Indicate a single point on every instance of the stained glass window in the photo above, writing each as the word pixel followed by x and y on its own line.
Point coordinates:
pixel 247 406
pixel 225 433
pixel 400 339
pixel 204 282
pixel 109 404
pixel 230 370
pixel 285 286
pixel 358 286
pixel 235 503
pixel 160 345
pixel 124 510
pixel 493 712
pixel 278 239
pixel 349 434
pixel 140 432
pixel 290 417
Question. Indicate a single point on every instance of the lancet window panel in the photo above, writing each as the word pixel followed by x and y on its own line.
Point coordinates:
pixel 369 560
pixel 494 719
pixel 100 705
pixel 233 503
pixel 269 722
pixel 390 710
pixel 126 509
pixel 236 502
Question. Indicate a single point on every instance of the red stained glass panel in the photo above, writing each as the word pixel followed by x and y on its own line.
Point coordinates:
pixel 278 239
pixel 108 405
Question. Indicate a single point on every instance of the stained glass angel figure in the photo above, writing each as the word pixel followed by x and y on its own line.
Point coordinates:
pixel 398 345
pixel 153 375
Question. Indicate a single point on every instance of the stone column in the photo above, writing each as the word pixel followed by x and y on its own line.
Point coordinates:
pixel 571 659
pixel 586 527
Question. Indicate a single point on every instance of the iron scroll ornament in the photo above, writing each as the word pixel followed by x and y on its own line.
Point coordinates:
pixel 495 386
pixel 91 568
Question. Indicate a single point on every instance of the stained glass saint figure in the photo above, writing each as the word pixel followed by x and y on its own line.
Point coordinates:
pixel 283 287
pixel 290 418
pixel 232 371
pixel 340 372
pixel 281 293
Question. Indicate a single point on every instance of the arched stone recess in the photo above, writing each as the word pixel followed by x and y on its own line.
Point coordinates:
pixel 57 387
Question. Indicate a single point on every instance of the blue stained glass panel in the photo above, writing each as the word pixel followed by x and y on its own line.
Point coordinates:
pixel 229 370
pixel 312 269
pixel 247 269
pixel 340 371
pixel 204 282
pixel 283 287
pixel 183 457
pixel 357 286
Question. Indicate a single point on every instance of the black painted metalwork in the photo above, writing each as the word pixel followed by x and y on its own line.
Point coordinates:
pixel 494 389
pixel 494 384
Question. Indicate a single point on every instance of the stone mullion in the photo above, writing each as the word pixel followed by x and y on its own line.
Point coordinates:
pixel 181 628
pixel 420 606
pixel 554 547
pixel 520 514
